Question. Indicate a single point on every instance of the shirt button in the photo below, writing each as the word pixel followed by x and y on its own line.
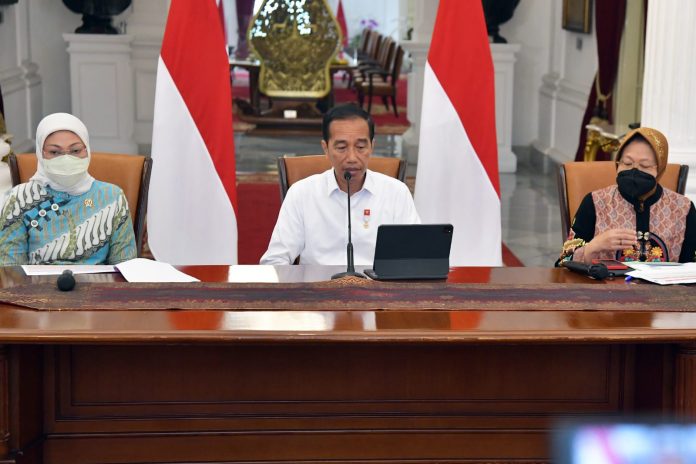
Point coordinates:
pixel 54 206
pixel 42 212
pixel 34 223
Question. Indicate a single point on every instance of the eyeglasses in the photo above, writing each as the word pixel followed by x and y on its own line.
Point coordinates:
pixel 77 151
pixel 639 166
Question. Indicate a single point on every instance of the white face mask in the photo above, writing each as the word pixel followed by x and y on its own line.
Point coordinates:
pixel 67 170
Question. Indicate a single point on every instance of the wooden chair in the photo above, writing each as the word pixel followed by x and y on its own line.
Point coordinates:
pixel 130 172
pixel 382 83
pixel 369 54
pixel 364 42
pixel 577 179
pixel 371 46
pixel 294 168
pixel 382 63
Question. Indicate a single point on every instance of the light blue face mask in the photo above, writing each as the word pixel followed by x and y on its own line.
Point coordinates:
pixel 66 170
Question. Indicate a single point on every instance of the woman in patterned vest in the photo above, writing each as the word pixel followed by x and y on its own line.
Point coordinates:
pixel 63 215
pixel 636 219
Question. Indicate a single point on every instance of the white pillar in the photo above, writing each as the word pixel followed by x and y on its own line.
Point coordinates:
pixel 504 68
pixel 669 94
pixel 101 84
pixel 19 77
pixel 425 12
pixel 414 100
pixel 148 18
pixel 146 24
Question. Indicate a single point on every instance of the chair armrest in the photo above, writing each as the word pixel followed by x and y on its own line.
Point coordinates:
pixel 377 71
pixel 382 74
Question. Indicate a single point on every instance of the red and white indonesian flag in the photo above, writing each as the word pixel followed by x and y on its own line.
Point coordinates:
pixel 457 179
pixel 191 210
pixel 341 18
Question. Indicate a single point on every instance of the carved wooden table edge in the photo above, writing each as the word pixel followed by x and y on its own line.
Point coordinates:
pixel 38 336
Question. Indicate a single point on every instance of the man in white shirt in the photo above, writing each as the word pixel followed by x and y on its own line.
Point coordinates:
pixel 313 221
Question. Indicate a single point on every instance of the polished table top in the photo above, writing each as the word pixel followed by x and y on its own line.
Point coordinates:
pixel 21 325
pixel 348 63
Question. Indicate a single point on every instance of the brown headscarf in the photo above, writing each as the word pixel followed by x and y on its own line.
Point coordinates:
pixel 657 141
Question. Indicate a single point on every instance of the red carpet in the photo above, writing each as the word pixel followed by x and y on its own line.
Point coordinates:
pixel 259 204
pixel 258 210
pixel 381 115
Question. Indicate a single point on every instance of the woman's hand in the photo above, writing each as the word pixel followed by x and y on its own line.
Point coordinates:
pixel 610 241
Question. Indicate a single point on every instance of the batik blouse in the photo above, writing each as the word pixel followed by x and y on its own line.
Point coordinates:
pixel 665 225
pixel 40 225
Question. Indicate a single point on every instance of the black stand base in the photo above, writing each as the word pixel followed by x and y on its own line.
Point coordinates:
pixel 349 274
pixel 96 25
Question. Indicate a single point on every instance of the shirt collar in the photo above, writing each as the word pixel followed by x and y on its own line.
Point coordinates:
pixel 370 185
pixel 332 184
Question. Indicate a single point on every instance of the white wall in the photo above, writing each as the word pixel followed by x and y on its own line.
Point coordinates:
pixel 549 115
pixel 21 85
pixel 146 23
pixel 34 64
pixel 385 12
pixel 8 38
pixel 48 20
pixel 531 28
pixel 578 73
pixel 565 89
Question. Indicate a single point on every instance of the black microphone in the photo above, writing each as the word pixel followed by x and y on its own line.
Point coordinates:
pixel 66 281
pixel 596 271
pixel 350 271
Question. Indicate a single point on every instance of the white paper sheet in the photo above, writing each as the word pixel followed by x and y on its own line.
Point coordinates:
pixel 146 270
pixel 665 275
pixel 252 273
pixel 645 266
pixel 57 269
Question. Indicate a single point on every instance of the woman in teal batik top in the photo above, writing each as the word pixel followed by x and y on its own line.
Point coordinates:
pixel 63 215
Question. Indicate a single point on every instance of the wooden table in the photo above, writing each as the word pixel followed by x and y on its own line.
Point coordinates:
pixel 317 386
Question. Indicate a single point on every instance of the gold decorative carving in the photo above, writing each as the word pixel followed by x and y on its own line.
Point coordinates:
pixel 600 137
pixel 295 41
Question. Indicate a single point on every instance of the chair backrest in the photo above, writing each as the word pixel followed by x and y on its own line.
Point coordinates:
pixel 397 60
pixel 373 44
pixel 130 172
pixel 294 168
pixel 386 51
pixel 362 46
pixel 577 179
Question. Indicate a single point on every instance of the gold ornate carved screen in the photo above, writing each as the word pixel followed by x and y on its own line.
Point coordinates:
pixel 295 41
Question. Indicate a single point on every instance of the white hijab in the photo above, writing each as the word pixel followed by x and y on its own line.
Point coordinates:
pixel 53 123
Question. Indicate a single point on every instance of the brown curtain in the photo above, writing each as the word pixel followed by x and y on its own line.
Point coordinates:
pixel 609 22
pixel 245 10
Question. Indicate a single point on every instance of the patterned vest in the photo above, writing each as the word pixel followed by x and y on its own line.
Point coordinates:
pixel 667 223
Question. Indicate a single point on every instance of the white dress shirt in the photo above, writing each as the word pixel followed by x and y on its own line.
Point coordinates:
pixel 313 221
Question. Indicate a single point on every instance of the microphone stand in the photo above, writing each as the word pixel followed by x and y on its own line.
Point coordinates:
pixel 350 271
